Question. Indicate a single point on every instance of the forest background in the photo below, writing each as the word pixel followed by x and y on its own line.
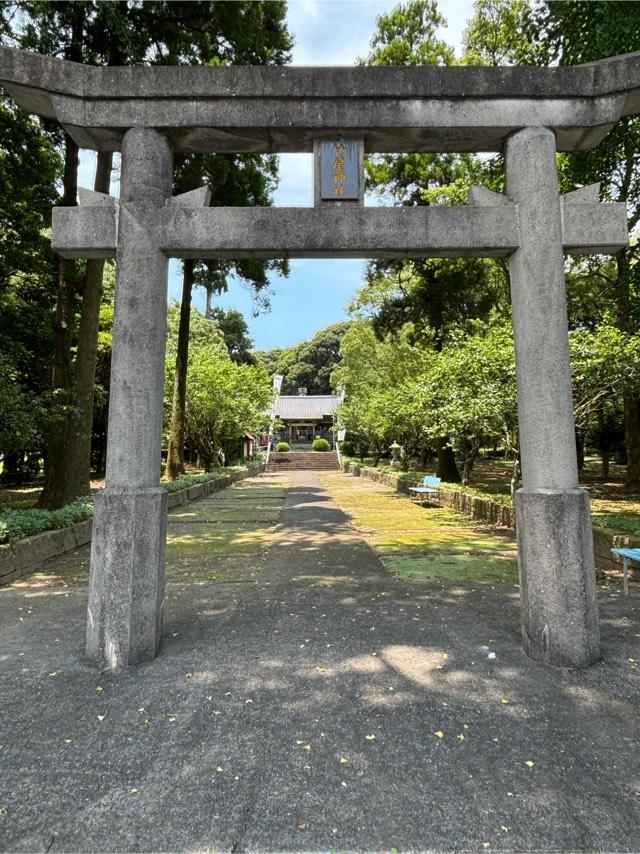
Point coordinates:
pixel 427 359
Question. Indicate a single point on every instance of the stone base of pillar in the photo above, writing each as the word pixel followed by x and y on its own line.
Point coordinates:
pixel 557 577
pixel 126 587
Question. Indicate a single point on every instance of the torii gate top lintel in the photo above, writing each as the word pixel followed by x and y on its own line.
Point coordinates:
pixel 275 108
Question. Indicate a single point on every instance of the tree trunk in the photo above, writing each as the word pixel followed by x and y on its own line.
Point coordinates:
pixel 470 453
pixel 632 439
pixel 604 472
pixel 580 450
pixel 101 456
pixel 631 402
pixel 55 458
pixel 207 303
pixel 447 469
pixel 175 453
pixel 12 473
pixel 77 480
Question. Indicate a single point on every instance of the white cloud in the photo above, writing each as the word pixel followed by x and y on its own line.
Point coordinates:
pixel 337 32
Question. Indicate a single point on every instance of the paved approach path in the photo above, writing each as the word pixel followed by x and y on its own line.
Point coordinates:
pixel 314 702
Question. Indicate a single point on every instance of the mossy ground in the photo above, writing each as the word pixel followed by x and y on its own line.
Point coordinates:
pixel 225 538
pixel 452 567
pixel 424 542
pixel 222 538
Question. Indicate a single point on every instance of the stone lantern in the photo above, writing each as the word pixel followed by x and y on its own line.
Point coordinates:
pixel 395 458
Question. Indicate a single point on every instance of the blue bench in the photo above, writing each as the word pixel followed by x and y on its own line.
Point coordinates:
pixel 430 486
pixel 626 555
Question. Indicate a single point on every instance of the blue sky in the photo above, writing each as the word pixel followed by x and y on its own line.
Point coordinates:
pixel 326 32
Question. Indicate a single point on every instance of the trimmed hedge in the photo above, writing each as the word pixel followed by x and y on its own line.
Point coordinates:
pixel 320 445
pixel 194 479
pixel 282 448
pixel 17 524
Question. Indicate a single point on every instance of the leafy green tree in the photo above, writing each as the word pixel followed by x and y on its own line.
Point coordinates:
pixel 430 292
pixel 29 169
pixel 81 32
pixel 386 397
pixel 269 359
pixel 236 334
pixel 605 365
pixel 239 33
pixel 308 364
pixel 21 416
pixel 499 33
pixel 122 32
pixel 223 400
pixel 203 332
pixel 474 391
pixel 567 34
pixel 582 32
pixel 408 36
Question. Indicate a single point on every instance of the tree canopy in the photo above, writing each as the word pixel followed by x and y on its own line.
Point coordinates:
pixel 308 364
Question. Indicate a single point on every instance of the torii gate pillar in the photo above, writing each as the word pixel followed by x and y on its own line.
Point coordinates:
pixel 553 518
pixel 126 587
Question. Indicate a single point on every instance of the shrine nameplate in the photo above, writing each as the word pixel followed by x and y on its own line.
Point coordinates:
pixel 339 171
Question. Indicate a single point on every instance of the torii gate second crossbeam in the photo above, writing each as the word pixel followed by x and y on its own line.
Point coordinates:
pixel 148 113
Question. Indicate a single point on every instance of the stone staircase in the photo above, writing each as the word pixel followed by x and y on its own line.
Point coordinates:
pixel 303 461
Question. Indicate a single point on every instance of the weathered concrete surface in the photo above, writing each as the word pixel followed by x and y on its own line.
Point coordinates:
pixel 545 402
pixel 126 586
pixel 560 621
pixel 557 577
pixel 284 109
pixel 92 234
pixel 341 230
pixel 328 650
pixel 124 622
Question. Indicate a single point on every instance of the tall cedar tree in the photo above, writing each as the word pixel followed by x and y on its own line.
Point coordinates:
pixel 121 33
pixel 255 34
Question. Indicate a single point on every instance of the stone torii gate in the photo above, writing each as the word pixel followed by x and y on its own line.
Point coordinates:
pixel 150 112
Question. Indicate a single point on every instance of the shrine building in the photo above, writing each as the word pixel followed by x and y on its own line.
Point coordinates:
pixel 305 418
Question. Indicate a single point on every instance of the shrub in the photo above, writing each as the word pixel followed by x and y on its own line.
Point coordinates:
pixel 17 524
pixel 320 445
pixel 204 477
pixel 282 447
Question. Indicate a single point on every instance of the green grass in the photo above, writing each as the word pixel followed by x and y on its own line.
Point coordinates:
pixel 613 506
pixel 452 567
pixel 427 542
pixel 618 522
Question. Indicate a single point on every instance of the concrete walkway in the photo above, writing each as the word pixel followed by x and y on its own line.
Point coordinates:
pixel 314 702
